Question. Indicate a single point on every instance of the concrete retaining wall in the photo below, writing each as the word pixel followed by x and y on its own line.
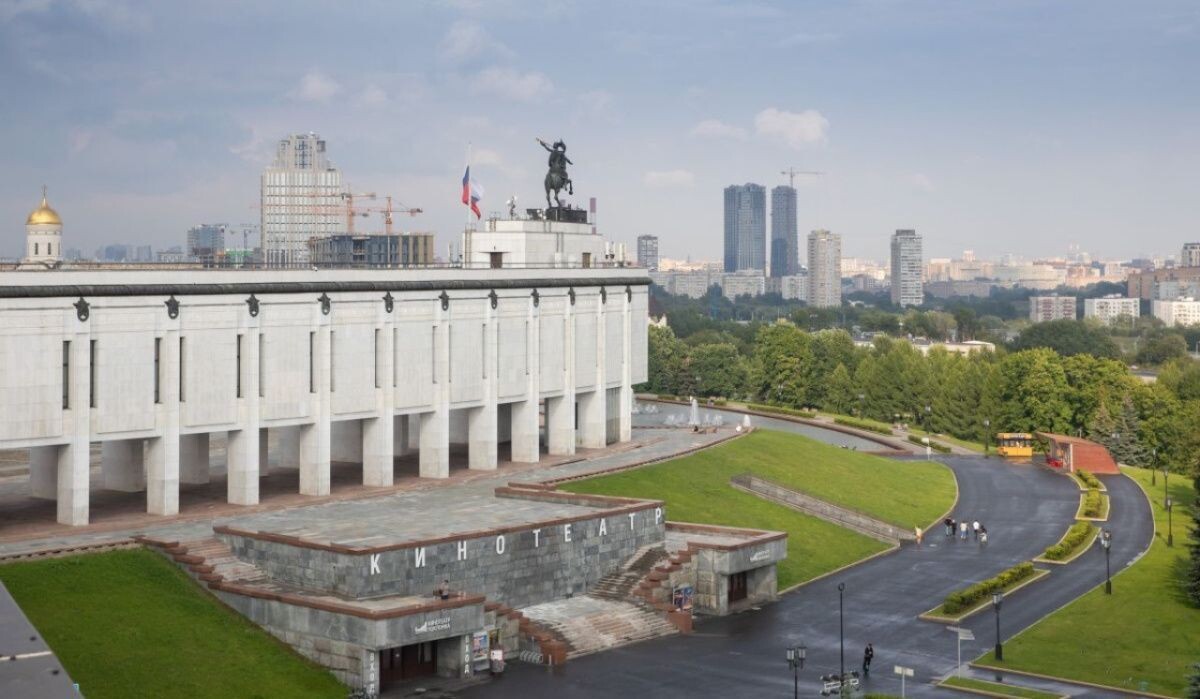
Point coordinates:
pixel 827 511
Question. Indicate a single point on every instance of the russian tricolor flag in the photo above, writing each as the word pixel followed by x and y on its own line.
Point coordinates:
pixel 471 193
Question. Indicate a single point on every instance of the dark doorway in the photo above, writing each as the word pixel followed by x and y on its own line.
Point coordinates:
pixel 496 259
pixel 407 662
pixel 737 587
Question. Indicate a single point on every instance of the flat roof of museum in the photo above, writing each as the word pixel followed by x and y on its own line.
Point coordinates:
pixel 393 521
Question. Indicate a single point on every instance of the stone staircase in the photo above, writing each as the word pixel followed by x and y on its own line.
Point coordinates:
pixel 209 560
pixel 619 585
pixel 590 624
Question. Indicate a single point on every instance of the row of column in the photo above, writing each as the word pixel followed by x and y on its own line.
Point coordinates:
pixel 160 463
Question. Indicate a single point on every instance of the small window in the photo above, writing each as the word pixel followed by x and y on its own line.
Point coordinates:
pixel 433 353
pixel 66 374
pixel 312 346
pixel 483 350
pixel 35 248
pixel 92 356
pixel 157 368
pixel 395 348
pixel 332 343
pixel 182 369
pixel 240 337
pixel 262 365
pixel 377 358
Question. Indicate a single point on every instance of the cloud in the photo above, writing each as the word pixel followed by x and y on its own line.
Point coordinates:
pixel 669 178
pixel 919 181
pixel 466 40
pixel 512 84
pixel 714 128
pixel 797 129
pixel 809 38
pixel 485 156
pixel 373 96
pixel 316 87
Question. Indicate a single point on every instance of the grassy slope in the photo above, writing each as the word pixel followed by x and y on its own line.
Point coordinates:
pixel 696 489
pixel 998 688
pixel 1145 632
pixel 129 623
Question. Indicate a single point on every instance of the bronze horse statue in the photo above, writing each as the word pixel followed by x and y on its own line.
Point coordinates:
pixel 557 179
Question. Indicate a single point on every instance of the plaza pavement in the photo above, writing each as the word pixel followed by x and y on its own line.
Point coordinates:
pixel 1025 508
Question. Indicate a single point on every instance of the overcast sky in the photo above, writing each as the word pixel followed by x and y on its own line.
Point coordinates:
pixel 1012 126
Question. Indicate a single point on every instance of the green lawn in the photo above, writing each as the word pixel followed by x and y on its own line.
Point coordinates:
pixel 129 623
pixel 696 489
pixel 1146 632
pixel 1007 690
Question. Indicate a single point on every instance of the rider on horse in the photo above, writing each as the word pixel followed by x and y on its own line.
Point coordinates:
pixel 556 178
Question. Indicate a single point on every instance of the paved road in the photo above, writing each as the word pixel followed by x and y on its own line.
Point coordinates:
pixel 1026 508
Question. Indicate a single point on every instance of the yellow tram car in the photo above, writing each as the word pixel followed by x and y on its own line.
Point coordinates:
pixel 1014 444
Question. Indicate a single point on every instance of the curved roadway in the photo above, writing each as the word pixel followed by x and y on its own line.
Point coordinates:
pixel 1025 508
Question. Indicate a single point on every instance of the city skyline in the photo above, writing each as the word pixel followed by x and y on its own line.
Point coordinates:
pixel 1080 106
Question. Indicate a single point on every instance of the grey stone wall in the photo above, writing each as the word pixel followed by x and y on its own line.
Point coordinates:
pixel 517 568
pixel 827 511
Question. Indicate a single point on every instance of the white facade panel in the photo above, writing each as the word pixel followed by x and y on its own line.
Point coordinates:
pixel 639 335
pixel 31 357
pixel 553 344
pixel 209 389
pixel 414 333
pixel 585 340
pixel 467 351
pixel 354 360
pixel 512 346
pixel 288 333
pixel 124 371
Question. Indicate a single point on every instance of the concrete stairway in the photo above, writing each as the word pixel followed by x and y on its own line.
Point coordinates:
pixel 591 624
pixel 209 560
pixel 619 585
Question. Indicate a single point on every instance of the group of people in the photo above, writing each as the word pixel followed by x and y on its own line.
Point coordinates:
pixel 977 530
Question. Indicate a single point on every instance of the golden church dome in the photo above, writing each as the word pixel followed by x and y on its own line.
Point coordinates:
pixel 43 215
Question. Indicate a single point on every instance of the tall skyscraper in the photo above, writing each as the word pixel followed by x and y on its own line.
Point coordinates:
pixel 824 269
pixel 784 258
pixel 907 265
pixel 647 251
pixel 301 199
pixel 1190 257
pixel 745 227
pixel 205 241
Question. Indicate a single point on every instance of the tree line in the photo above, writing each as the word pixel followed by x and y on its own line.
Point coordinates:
pixel 1025 390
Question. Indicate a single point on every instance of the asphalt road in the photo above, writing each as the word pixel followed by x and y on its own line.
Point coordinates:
pixel 1025 508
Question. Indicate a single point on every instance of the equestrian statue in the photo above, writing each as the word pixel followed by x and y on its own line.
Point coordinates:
pixel 557 179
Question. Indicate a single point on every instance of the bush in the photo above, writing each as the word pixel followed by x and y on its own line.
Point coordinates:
pixel 1088 479
pixel 1074 538
pixel 1093 504
pixel 868 425
pixel 936 446
pixel 961 600
pixel 781 410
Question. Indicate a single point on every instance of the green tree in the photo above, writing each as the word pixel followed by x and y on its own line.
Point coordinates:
pixel 1069 337
pixel 1193 688
pixel 782 357
pixel 1191 580
pixel 665 354
pixel 841 395
pixel 718 370
pixel 1029 393
pixel 1161 348
pixel 830 348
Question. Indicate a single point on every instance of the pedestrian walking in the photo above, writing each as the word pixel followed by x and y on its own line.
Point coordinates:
pixel 868 656
pixel 975 528
pixel 949 524
pixel 920 535
pixel 962 530
pixel 983 536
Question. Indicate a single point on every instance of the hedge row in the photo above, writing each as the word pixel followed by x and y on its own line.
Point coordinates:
pixel 1088 480
pixel 682 399
pixel 962 600
pixel 1093 504
pixel 868 425
pixel 936 446
pixel 781 410
pixel 1076 535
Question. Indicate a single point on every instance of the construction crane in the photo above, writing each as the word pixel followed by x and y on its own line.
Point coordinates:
pixel 387 212
pixel 791 173
pixel 351 212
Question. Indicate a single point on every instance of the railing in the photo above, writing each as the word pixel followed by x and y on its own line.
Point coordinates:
pixel 91 265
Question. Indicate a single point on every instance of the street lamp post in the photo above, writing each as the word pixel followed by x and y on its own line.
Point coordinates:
pixel 997 600
pixel 842 631
pixel 1153 466
pixel 861 397
pixel 795 658
pixel 1166 492
pixel 1106 542
pixel 1170 529
pixel 987 434
pixel 928 415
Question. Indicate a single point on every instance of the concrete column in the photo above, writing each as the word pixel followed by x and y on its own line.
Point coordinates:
pixel 74 467
pixel 625 399
pixel 560 425
pixel 435 426
pixel 379 432
pixel 592 423
pixel 162 452
pixel 193 458
pixel 523 427
pixel 122 463
pixel 314 438
pixel 43 472
pixel 244 448
pixel 481 438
